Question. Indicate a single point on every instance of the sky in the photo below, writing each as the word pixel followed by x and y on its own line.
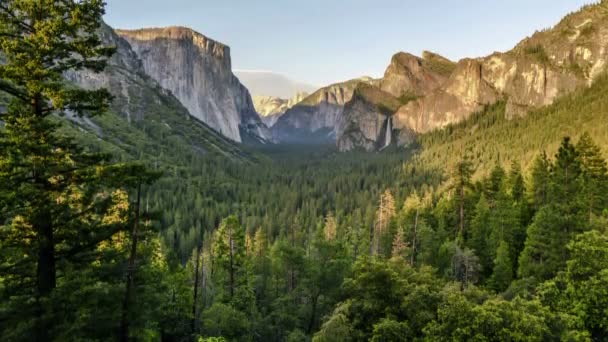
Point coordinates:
pixel 326 41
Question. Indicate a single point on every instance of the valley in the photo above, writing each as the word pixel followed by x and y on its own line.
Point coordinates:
pixel 446 200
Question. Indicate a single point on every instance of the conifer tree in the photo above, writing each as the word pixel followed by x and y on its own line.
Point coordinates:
pixel 544 247
pixel 594 177
pixel 540 178
pixel 231 263
pixel 518 195
pixel 461 183
pixel 503 268
pixel 494 183
pixel 505 224
pixel 384 216
pixel 564 176
pixel 50 184
pixel 401 249
pixel 480 235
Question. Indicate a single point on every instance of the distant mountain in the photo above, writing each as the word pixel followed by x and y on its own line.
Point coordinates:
pixel 320 111
pixel 272 108
pixel 268 83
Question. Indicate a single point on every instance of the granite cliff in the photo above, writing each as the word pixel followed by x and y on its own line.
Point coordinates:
pixel 143 114
pixel 198 71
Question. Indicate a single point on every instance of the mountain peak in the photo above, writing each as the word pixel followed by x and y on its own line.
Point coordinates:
pixel 212 46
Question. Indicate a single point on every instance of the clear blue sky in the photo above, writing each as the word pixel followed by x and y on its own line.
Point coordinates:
pixel 323 41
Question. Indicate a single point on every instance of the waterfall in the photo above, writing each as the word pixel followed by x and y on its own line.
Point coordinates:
pixel 389 132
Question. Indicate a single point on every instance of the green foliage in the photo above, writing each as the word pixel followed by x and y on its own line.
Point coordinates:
pixel 226 321
pixel 537 52
pixel 386 103
pixel 388 330
pixel 494 320
pixel 438 64
pixel 406 98
pixel 503 268
pixel 211 339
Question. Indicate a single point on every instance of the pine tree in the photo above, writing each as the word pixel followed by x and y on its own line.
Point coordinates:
pixel 411 220
pixel 505 224
pixel 594 177
pixel 357 235
pixel 135 176
pixel 231 264
pixel 544 250
pixel 480 235
pixel 401 249
pixel 46 178
pixel 494 183
pixel 516 183
pixel 518 195
pixel 503 268
pixel 384 216
pixel 540 178
pixel 461 183
pixel 564 175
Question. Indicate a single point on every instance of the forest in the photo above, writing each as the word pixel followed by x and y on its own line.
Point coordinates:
pixel 487 230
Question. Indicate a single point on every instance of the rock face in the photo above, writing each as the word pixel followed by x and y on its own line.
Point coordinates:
pixel 408 74
pixel 317 112
pixel 541 68
pixel 198 71
pixel 367 120
pixel 141 102
pixel 272 108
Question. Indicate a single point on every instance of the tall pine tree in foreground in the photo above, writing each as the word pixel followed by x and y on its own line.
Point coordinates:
pixel 56 202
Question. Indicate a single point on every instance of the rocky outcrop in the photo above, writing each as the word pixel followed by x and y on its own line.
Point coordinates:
pixel 141 103
pixel 465 92
pixel 319 111
pixel 408 74
pixel 541 68
pixel 198 71
pixel 367 121
pixel 124 77
pixel 272 108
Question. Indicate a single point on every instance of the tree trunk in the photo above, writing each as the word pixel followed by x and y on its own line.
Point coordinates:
pixel 124 325
pixel 45 271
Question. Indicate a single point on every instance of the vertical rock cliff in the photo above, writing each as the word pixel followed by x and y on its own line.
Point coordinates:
pixel 198 71
pixel 143 112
